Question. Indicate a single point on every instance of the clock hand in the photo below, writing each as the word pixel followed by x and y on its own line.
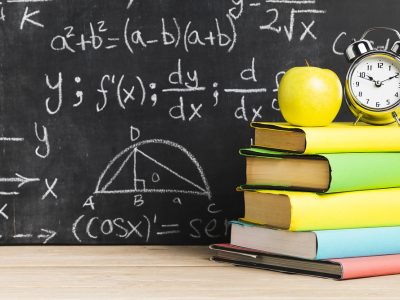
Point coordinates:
pixel 395 76
pixel 369 78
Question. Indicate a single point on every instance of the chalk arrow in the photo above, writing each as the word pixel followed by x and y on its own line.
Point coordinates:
pixel 19 178
pixel 47 235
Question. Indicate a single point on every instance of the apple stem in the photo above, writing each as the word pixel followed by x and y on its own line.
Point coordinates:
pixel 307 62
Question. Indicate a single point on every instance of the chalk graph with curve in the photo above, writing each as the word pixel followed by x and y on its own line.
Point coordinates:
pixel 134 170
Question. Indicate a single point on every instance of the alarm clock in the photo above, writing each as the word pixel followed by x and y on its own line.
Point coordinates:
pixel 372 89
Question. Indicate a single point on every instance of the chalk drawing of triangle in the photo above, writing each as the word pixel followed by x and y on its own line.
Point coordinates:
pixel 128 167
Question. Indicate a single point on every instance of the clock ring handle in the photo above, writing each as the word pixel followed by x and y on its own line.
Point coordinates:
pixel 380 28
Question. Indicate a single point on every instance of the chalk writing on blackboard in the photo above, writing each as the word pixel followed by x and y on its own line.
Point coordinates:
pixel 121 120
pixel 45 234
pixel 129 158
pixel 19 180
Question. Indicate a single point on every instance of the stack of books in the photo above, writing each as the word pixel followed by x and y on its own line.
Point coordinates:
pixel 322 201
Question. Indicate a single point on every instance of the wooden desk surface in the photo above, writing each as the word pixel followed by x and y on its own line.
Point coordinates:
pixel 134 272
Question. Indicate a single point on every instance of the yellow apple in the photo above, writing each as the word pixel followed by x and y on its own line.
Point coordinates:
pixel 310 96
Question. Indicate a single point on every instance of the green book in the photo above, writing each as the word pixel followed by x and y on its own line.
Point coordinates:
pixel 322 173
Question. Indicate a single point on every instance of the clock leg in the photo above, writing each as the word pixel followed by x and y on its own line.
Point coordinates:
pixel 396 117
pixel 358 119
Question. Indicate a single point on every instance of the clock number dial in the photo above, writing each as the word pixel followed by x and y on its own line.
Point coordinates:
pixel 375 82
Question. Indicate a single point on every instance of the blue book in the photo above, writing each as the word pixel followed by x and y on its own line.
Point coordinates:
pixel 323 244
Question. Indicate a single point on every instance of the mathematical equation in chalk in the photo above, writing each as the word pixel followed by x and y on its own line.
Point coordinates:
pixel 289 26
pixel 286 17
pixel 144 228
pixel 125 90
pixel 171 33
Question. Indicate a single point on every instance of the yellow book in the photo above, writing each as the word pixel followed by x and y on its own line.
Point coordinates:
pixel 305 211
pixel 335 138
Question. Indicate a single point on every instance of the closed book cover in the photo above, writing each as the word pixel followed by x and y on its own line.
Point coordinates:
pixel 306 211
pixel 320 244
pixel 335 138
pixel 330 173
pixel 340 269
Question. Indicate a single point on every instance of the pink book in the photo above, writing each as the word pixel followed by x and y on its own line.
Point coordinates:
pixel 369 266
pixel 343 268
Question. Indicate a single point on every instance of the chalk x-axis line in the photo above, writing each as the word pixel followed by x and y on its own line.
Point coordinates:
pixel 11 139
pixel 161 191
pixel 9 193
pixel 27 1
pixel 291 1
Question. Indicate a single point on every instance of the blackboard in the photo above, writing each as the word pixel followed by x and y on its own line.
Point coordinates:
pixel 120 121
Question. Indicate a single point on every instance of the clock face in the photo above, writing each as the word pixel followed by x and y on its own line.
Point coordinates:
pixel 375 82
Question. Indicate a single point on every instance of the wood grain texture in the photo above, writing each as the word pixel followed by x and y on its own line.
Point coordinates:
pixel 135 272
